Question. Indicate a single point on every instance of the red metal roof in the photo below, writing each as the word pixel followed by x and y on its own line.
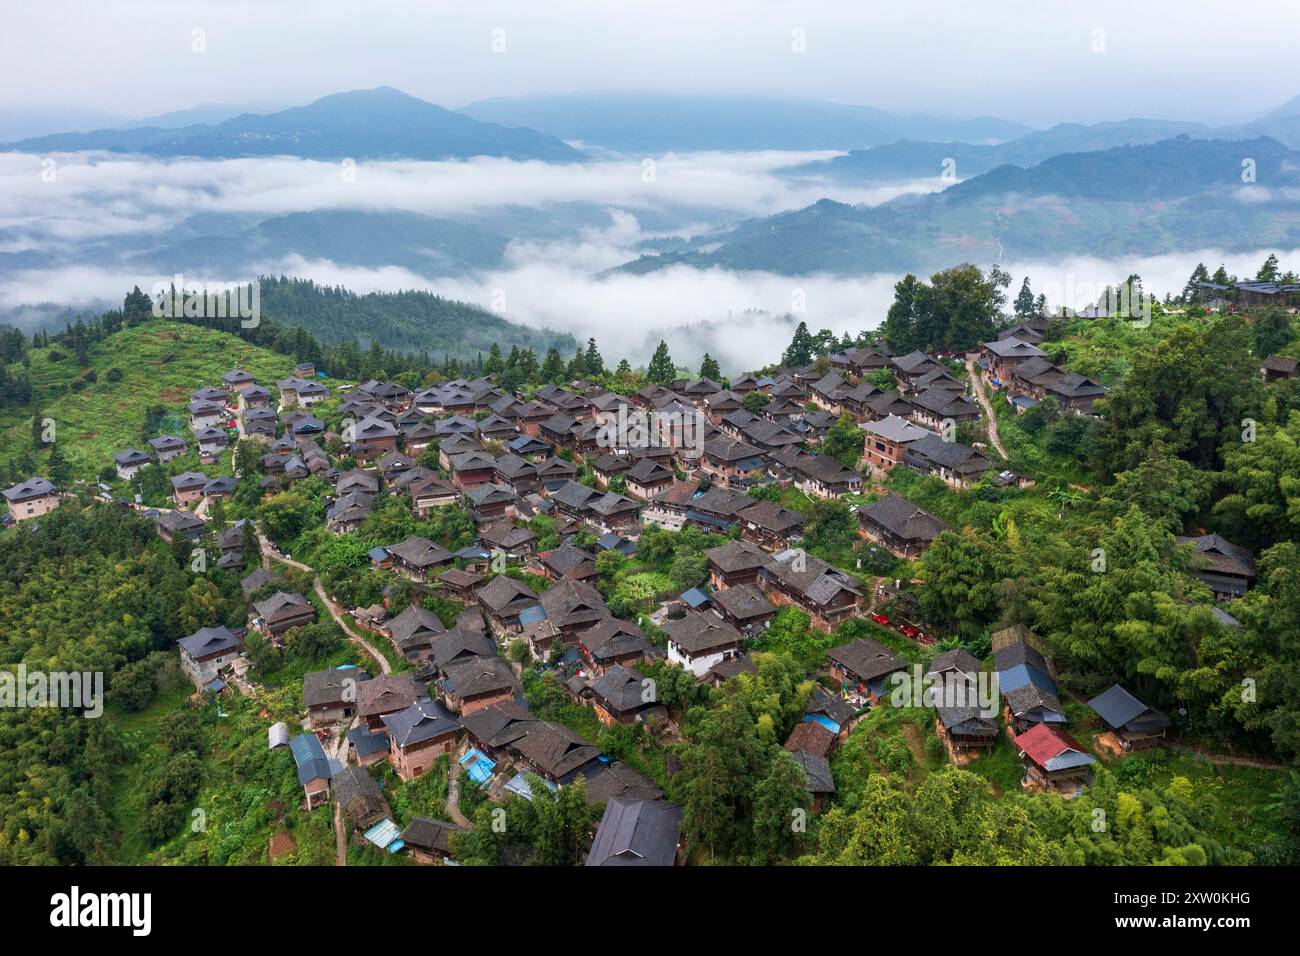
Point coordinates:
pixel 1041 743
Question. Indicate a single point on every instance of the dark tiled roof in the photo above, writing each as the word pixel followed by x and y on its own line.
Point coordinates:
pixel 866 658
pixel 636 833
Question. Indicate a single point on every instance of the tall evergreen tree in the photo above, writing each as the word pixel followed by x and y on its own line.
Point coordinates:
pixel 1269 271
pixel 595 363
pixel 801 350
pixel 662 370
pixel 553 367
pixel 1025 300
pixel 709 368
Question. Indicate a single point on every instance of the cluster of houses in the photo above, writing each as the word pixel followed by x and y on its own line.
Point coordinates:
pixel 1016 363
pixel 687 454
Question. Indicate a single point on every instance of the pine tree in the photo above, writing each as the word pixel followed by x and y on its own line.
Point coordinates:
pixel 801 347
pixel 661 370
pixel 553 367
pixel 577 367
pixel 1025 300
pixel 595 363
pixel 1268 272
pixel 57 467
pixel 495 364
pixel 709 368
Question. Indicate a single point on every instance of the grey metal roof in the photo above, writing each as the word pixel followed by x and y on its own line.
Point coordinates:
pixel 636 833
pixel 1121 710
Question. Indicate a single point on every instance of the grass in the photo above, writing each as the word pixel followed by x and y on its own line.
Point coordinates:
pixel 160 363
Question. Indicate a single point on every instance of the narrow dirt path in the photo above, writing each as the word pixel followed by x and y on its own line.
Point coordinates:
pixel 977 385
pixel 335 611
pixel 453 795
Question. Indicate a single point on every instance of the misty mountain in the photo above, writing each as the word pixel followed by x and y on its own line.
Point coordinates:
pixel 413 321
pixel 382 123
pixel 911 159
pixel 1178 194
pixel 220 245
pixel 202 113
pixel 656 122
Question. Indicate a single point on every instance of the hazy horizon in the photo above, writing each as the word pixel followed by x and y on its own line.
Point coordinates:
pixel 1036 64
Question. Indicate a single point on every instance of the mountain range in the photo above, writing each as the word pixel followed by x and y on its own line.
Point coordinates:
pixel 1177 194
pixel 910 158
pixel 653 122
pixel 382 123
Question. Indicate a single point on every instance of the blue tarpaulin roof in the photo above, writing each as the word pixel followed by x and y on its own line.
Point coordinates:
pixel 825 721
pixel 1013 678
pixel 477 766
pixel 531 615
pixel 384 835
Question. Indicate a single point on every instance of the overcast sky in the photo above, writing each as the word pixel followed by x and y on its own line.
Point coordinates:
pixel 1035 61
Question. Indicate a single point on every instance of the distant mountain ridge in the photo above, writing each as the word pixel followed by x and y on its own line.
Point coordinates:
pixel 1180 193
pixel 911 159
pixel 652 122
pixel 382 123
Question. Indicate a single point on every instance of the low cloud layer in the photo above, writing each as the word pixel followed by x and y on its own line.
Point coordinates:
pixel 51 202
pixel 744 319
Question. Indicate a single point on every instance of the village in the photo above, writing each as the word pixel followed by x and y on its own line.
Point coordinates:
pixel 453 685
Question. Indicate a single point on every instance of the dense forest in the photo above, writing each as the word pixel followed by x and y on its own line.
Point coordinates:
pixel 410 321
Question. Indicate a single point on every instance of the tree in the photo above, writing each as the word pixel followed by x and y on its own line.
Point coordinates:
pixel 844 441
pixel 961 571
pixel 957 310
pixel 709 368
pixel 781 802
pixel 1192 390
pixel 1193 288
pixel 1269 271
pixel 553 370
pixel 1163 486
pixel 495 364
pixel 1272 332
pixel 57 467
pixel 1025 300
pixel 661 371
pixel 755 401
pixel 595 364
pixel 802 349
pixel 1262 505
pixel 135 684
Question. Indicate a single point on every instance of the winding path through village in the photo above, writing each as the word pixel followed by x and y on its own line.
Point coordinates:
pixel 977 385
pixel 270 552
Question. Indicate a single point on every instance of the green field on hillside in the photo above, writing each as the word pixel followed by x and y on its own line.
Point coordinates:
pixel 160 363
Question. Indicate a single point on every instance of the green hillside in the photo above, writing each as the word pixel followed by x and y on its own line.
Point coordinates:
pixel 410 321
pixel 159 363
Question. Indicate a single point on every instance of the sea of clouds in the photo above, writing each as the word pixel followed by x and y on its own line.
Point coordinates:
pixel 53 207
